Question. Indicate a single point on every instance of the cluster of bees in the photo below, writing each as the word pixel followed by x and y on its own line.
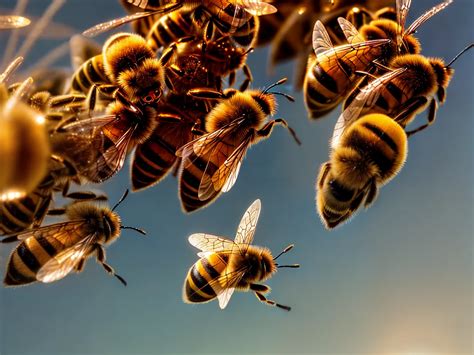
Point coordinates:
pixel 158 93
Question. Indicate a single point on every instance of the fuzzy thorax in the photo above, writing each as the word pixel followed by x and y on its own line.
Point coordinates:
pixel 98 220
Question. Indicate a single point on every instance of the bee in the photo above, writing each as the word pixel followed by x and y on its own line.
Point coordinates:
pixel 211 163
pixel 8 22
pixel 50 253
pixel 24 148
pixel 228 16
pixel 370 153
pixel 409 88
pixel 126 63
pixel 29 211
pixel 156 157
pixel 97 146
pixel 226 265
pixel 334 71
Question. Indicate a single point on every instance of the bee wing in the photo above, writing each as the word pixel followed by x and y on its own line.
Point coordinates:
pixel 226 175
pixel 61 231
pixel 8 22
pixel 106 26
pixel 210 243
pixel 257 7
pixel 224 286
pixel 63 263
pixel 426 16
pixel 247 225
pixel 402 6
pixel 321 40
pixel 97 156
pixel 350 32
pixel 366 98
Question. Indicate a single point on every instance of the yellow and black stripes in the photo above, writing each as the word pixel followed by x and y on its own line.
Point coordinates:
pixel 169 29
pixel 90 73
pixel 197 286
pixel 27 259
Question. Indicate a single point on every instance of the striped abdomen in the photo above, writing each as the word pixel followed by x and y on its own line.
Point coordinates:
pixel 330 77
pixel 27 259
pixel 225 15
pixel 246 35
pixel 169 29
pixel 90 73
pixel 197 286
pixel 19 215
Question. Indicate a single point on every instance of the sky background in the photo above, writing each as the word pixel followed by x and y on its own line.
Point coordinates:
pixel 396 279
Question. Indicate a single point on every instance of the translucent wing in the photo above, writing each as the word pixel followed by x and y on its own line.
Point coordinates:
pixel 8 22
pixel 350 32
pixel 63 263
pixel 365 99
pixel 321 40
pixel 224 286
pixel 226 175
pixel 257 7
pixel 403 6
pixel 106 26
pixel 247 225
pixel 210 243
pixel 426 16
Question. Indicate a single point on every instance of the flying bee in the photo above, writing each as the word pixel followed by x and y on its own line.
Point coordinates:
pixel 156 157
pixel 211 163
pixel 8 22
pixel 98 146
pixel 226 265
pixel 409 88
pixel 24 148
pixel 126 63
pixel 50 253
pixel 335 71
pixel 370 153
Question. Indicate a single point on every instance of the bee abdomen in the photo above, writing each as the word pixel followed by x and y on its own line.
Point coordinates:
pixel 197 288
pixel 90 73
pixel 169 29
pixel 27 259
pixel 152 162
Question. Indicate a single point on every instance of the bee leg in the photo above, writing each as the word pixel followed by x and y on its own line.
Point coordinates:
pixel 260 288
pixel 101 259
pixel 86 195
pixel 168 118
pixel 248 78
pixel 232 78
pixel 197 130
pixel 263 299
pixel 409 109
pixel 80 265
pixel 206 94
pixel 431 118
pixel 324 171
pixel 267 129
pixel 371 193
pixel 56 211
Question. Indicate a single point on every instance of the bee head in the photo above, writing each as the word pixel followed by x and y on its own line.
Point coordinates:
pixel 111 225
pixel 143 83
pixel 261 264
pixel 443 76
pixel 266 101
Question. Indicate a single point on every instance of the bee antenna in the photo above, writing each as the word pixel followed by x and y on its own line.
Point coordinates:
pixel 459 54
pixel 279 82
pixel 141 231
pixel 250 50
pixel 292 266
pixel 286 250
pixel 290 98
pixel 124 196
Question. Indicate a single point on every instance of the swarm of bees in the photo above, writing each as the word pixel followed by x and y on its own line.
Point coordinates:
pixel 166 94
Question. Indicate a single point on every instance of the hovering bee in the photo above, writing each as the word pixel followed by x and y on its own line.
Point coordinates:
pixel 211 163
pixel 226 266
pixel 409 88
pixel 156 157
pixel 50 253
pixel 24 148
pixel 98 146
pixel 369 154
pixel 8 22
pixel 126 63
pixel 335 71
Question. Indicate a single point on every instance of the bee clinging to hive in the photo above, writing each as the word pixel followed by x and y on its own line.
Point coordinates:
pixel 226 265
pixel 50 253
